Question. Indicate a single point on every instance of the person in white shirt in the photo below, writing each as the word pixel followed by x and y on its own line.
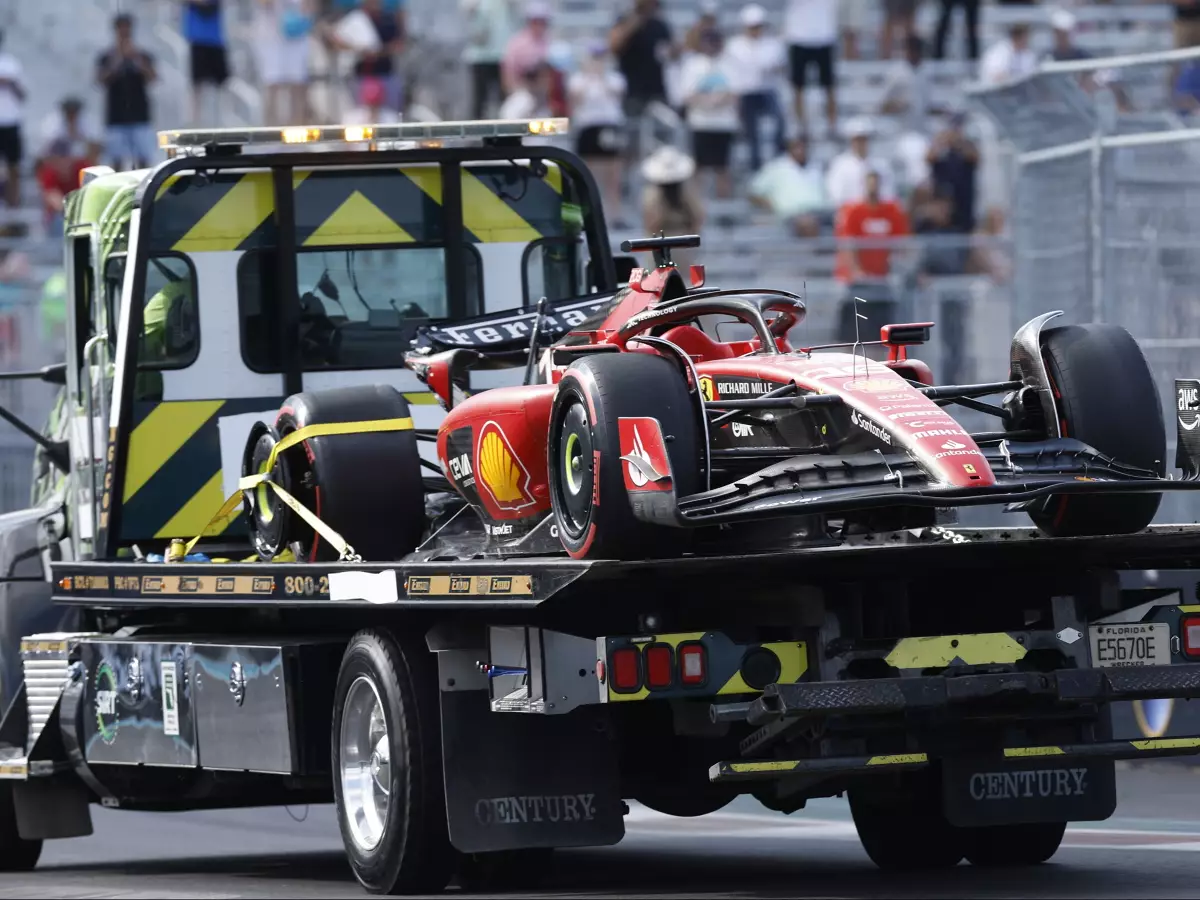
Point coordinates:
pixel 597 95
pixel 793 189
pixel 12 109
pixel 846 180
pixel 1009 59
pixel 757 60
pixel 710 105
pixel 810 28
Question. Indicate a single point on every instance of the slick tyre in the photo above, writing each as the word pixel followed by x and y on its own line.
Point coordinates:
pixel 904 831
pixel 587 486
pixel 367 486
pixel 1013 845
pixel 387 765
pixel 1107 398
pixel 16 853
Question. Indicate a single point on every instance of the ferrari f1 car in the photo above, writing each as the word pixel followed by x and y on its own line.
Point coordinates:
pixel 639 433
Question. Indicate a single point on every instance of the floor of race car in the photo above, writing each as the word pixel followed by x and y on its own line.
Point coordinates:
pixel 743 851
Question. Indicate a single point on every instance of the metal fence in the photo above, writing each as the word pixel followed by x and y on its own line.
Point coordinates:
pixel 1106 207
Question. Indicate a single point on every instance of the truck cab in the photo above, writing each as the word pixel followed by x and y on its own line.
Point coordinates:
pixel 254 264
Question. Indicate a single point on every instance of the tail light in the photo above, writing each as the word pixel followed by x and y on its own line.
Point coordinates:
pixel 659 666
pixel 1189 630
pixel 626 670
pixel 693 665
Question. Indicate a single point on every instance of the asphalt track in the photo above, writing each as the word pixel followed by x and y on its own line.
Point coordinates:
pixel 743 852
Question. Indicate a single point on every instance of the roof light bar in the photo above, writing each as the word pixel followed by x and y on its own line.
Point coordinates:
pixel 421 133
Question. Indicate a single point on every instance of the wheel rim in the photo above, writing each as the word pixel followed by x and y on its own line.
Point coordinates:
pixel 366 770
pixel 574 463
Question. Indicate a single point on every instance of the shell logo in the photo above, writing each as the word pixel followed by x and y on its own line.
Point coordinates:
pixel 502 473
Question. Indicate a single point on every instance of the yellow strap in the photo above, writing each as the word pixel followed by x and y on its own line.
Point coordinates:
pixel 345 551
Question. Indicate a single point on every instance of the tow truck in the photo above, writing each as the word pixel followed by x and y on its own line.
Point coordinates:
pixel 466 716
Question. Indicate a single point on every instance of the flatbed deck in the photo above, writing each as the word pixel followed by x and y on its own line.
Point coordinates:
pixel 526 582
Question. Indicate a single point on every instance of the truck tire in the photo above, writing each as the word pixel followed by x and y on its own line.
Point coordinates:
pixel 1013 845
pixel 904 831
pixel 16 853
pixel 367 487
pixel 392 816
pixel 1106 398
pixel 591 507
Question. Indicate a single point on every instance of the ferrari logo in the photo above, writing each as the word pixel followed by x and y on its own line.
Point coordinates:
pixel 707 390
pixel 500 471
pixel 968 468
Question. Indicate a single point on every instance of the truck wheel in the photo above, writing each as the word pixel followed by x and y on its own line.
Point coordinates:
pixel 1013 845
pixel 1106 397
pixel 506 870
pixel 587 487
pixel 904 831
pixel 367 487
pixel 16 853
pixel 387 765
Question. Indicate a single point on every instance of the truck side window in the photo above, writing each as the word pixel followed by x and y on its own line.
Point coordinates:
pixel 170 317
pixel 359 307
pixel 553 268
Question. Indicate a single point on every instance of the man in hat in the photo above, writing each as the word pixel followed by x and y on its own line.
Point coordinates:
pixel 846 180
pixel 670 204
pixel 69 124
pixel 757 61
pixel 12 108
pixel 528 49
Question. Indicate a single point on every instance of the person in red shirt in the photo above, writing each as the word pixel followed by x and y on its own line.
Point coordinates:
pixel 871 220
pixel 58 174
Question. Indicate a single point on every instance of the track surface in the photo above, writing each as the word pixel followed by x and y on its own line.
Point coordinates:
pixel 742 852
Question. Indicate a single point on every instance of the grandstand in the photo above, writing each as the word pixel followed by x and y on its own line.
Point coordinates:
pixel 58 40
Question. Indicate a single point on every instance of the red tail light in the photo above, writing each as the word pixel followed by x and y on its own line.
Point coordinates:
pixel 658 666
pixel 1189 630
pixel 693 665
pixel 626 670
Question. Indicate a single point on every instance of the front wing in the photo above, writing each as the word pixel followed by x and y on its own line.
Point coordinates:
pixel 805 485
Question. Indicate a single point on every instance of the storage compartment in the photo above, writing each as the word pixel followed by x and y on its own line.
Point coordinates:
pixel 244 711
pixel 138 704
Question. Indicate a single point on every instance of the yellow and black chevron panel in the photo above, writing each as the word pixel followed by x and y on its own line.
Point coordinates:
pixel 730 668
pixel 173 472
pixel 227 211
pixel 970 649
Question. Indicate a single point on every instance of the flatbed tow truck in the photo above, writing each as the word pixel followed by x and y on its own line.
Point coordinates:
pixel 468 715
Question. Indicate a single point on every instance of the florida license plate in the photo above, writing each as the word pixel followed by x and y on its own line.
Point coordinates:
pixel 1130 645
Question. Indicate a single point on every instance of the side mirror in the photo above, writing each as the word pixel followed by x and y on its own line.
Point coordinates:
pixel 625 266
pixel 55 374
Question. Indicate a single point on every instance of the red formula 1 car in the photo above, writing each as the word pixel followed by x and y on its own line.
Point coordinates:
pixel 648 436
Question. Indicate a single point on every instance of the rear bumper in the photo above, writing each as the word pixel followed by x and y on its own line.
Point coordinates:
pixel 1066 687
pixel 806 485
pixel 772 769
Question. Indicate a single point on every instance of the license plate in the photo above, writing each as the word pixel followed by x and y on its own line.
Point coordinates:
pixel 1130 645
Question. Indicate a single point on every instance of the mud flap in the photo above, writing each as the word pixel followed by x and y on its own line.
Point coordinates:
pixel 978 791
pixel 1187 427
pixel 516 781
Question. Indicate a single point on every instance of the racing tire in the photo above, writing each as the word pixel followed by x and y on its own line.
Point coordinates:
pixel 1107 398
pixel 905 831
pixel 995 846
pixel 403 847
pixel 16 853
pixel 505 870
pixel 590 506
pixel 367 487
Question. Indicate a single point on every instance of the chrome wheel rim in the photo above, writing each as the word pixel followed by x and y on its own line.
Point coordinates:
pixel 366 769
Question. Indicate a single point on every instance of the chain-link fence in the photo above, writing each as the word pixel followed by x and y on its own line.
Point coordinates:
pixel 1106 206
